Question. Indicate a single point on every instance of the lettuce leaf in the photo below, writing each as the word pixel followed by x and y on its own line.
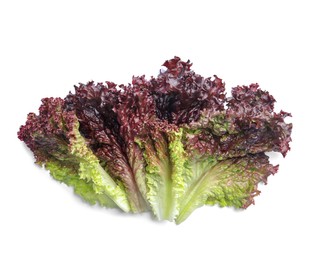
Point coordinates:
pixel 230 182
pixel 109 119
pixel 84 189
pixel 181 95
pixel 57 144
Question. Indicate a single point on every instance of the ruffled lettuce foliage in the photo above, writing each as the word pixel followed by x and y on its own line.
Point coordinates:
pixel 167 145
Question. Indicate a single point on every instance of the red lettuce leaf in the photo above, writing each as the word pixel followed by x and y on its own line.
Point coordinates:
pixel 110 117
pixel 248 125
pixel 53 137
pixel 181 95
pixel 49 133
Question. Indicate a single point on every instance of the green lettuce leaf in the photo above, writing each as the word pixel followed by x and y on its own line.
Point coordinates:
pixel 230 182
pixel 82 188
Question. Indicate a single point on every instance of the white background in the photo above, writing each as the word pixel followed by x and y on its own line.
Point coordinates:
pixel 48 46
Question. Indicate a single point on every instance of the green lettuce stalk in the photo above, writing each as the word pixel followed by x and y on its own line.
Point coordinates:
pixel 164 155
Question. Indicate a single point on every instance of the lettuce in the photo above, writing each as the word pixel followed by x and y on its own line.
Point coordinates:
pixel 56 142
pixel 167 145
